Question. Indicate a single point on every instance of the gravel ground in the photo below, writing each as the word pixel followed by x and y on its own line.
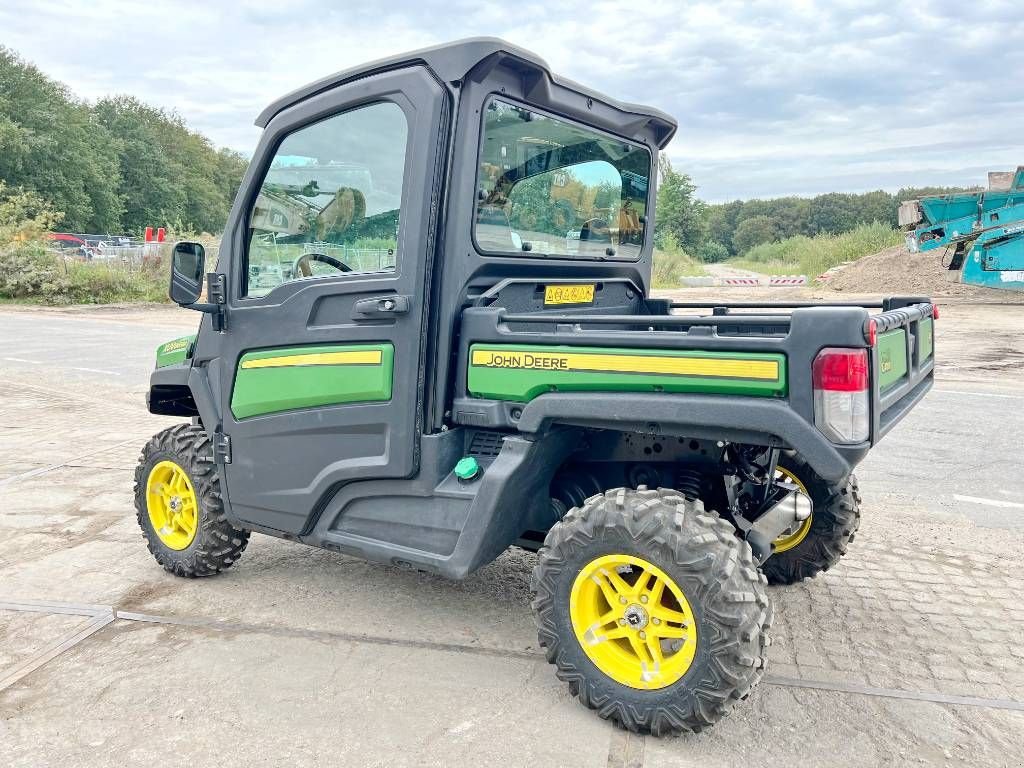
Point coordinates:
pixel 304 657
pixel 914 274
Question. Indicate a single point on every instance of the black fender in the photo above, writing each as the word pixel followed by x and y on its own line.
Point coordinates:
pixel 759 421
pixel 169 392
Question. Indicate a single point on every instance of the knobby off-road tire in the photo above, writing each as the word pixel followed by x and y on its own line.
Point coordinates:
pixel 835 517
pixel 217 544
pixel 717 575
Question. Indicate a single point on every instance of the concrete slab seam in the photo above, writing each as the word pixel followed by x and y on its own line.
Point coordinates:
pixel 895 693
pixel 103 615
pixel 44 470
pixel 55 649
pixel 625 749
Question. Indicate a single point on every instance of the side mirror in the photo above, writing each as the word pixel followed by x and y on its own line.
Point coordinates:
pixel 188 261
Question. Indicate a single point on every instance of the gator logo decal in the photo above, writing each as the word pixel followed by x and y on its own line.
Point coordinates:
pixel 174 346
pixel 729 368
pixel 175 351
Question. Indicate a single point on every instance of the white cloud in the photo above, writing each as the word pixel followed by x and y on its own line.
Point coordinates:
pixel 772 97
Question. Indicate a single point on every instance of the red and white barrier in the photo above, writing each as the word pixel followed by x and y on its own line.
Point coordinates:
pixel 745 281
pixel 782 280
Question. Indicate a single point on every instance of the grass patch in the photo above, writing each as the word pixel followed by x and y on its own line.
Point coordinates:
pixel 671 263
pixel 813 255
pixel 31 273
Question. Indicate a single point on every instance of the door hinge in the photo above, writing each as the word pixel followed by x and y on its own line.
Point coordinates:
pixel 216 295
pixel 222 448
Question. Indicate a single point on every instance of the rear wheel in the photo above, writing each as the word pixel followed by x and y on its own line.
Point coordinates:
pixel 179 507
pixel 817 543
pixel 652 610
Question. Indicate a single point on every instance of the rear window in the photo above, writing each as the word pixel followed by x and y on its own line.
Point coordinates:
pixel 550 187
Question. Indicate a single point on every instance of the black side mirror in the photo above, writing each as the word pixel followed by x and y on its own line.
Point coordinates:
pixel 188 261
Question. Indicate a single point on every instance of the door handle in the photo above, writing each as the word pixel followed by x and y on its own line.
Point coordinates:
pixel 381 306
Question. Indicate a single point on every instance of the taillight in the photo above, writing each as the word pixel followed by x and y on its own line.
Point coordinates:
pixel 841 406
pixel 871 332
pixel 935 311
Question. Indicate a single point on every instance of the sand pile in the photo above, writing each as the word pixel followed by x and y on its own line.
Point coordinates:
pixel 898 271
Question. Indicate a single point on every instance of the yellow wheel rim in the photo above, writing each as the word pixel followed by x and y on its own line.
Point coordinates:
pixel 172 505
pixel 801 501
pixel 633 621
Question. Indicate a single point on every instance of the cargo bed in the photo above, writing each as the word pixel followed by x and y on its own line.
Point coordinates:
pixel 513 356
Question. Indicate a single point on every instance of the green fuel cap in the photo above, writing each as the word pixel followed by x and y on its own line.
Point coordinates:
pixel 467 468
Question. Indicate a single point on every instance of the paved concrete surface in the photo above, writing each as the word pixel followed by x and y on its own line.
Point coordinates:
pixel 910 652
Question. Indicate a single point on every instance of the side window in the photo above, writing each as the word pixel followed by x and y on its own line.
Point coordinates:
pixel 330 201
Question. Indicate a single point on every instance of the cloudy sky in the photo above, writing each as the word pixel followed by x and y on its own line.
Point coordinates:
pixel 773 98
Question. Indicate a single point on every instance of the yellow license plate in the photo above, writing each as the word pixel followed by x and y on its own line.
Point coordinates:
pixel 568 294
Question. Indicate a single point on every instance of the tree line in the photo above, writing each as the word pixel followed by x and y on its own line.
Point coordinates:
pixel 116 166
pixel 120 165
pixel 714 232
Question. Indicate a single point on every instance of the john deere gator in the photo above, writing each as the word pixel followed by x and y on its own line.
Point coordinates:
pixel 456 352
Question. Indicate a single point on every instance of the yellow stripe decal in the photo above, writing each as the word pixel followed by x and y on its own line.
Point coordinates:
pixel 677 366
pixel 367 357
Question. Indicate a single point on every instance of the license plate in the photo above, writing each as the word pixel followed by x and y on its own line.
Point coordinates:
pixel 568 294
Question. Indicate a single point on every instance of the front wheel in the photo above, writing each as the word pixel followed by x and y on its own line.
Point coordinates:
pixel 817 543
pixel 178 504
pixel 652 610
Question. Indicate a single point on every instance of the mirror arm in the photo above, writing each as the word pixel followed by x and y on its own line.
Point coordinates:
pixel 201 306
pixel 215 289
pixel 219 316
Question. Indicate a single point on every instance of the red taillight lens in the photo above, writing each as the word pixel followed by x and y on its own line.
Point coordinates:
pixel 871 332
pixel 935 311
pixel 841 370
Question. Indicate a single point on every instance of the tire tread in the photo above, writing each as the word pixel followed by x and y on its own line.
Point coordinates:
pixel 736 612
pixel 218 544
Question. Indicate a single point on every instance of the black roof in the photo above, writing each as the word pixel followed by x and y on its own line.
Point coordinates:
pixel 453 61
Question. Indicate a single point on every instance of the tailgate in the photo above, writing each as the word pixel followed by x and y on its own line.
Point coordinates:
pixel 903 360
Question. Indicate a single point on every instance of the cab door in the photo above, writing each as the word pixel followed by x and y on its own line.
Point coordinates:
pixel 318 370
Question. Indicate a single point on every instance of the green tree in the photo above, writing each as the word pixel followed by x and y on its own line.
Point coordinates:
pixel 171 175
pixel 833 213
pixel 27 268
pixel 228 174
pixel 51 144
pixel 720 222
pixel 877 206
pixel 678 213
pixel 150 186
pixel 712 251
pixel 121 165
pixel 915 193
pixel 754 231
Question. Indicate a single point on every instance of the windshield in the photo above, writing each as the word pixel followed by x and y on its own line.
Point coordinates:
pixel 549 187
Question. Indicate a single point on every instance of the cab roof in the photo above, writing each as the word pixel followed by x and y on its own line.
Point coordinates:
pixel 454 61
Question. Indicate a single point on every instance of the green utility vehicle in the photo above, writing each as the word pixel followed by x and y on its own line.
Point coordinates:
pixel 429 338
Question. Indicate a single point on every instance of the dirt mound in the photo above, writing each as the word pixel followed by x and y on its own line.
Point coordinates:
pixel 898 271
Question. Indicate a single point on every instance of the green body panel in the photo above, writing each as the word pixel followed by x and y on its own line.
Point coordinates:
pixel 259 391
pixel 174 352
pixel 892 357
pixel 519 381
pixel 926 339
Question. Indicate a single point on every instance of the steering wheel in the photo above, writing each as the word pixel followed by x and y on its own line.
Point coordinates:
pixel 301 268
pixel 595 230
